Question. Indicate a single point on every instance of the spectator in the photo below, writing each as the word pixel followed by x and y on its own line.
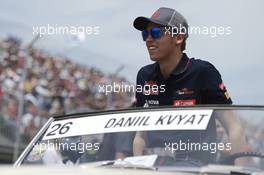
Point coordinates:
pixel 54 85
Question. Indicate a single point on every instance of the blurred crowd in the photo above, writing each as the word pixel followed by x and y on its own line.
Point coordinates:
pixel 53 85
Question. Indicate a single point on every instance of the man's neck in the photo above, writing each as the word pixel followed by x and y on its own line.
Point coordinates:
pixel 168 65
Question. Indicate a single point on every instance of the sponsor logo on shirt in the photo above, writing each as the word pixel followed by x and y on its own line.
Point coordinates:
pixel 227 95
pixel 184 91
pixel 184 102
pixel 146 104
pixel 221 86
pixel 151 88
pixel 156 14
pixel 151 103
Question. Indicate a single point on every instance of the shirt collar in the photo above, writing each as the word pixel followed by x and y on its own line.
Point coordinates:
pixel 180 68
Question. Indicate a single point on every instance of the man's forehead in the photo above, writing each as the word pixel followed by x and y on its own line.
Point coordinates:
pixel 151 24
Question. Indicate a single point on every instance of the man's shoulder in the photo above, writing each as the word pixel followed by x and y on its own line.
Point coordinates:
pixel 202 65
pixel 200 62
pixel 148 69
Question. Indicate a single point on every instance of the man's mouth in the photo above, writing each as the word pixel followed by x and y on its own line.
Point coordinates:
pixel 152 48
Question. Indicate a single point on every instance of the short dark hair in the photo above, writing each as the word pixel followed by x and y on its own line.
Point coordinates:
pixel 183 46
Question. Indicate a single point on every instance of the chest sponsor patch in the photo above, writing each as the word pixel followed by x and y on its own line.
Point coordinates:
pixel 150 88
pixel 190 102
pixel 184 91
pixel 151 103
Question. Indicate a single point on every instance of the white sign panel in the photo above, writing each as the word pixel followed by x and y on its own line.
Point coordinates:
pixel 136 121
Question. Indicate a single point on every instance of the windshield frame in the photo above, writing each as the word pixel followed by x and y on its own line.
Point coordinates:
pixel 130 110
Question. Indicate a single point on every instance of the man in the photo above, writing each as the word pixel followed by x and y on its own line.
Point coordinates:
pixel 187 81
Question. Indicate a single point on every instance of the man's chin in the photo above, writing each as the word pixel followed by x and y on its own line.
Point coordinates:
pixel 154 58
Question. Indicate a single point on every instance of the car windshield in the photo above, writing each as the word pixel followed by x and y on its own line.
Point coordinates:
pixel 153 137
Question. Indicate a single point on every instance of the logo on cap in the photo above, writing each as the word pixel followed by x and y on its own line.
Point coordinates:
pixel 156 14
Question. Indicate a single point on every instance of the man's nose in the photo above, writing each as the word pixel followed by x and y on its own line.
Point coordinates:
pixel 149 38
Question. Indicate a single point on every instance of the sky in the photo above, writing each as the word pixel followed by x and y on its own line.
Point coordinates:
pixel 237 55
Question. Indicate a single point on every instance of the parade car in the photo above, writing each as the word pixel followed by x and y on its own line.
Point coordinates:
pixel 164 140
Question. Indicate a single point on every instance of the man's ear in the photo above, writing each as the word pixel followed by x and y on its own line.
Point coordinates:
pixel 179 39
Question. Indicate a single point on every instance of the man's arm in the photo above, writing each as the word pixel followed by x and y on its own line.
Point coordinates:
pixel 233 126
pixel 236 134
pixel 139 139
pixel 139 143
pixel 214 92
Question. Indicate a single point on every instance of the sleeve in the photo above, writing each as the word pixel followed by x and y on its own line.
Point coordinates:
pixel 213 88
pixel 139 95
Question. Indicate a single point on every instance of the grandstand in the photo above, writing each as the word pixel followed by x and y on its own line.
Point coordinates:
pixel 52 85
